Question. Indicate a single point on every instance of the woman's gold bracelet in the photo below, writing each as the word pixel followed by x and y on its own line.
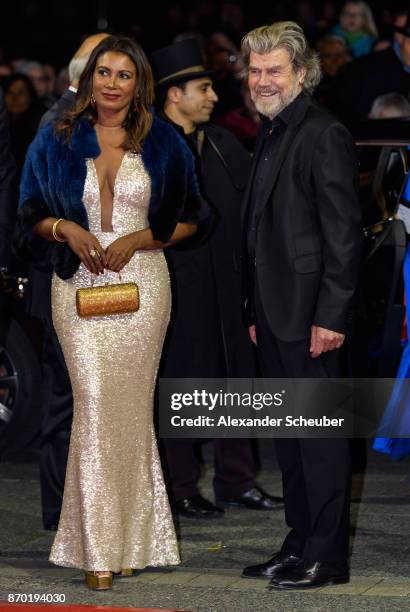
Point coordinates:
pixel 54 231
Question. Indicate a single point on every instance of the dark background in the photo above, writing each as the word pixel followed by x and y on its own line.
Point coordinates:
pixel 48 31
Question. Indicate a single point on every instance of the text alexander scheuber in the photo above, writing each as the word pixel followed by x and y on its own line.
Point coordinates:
pixel 256 401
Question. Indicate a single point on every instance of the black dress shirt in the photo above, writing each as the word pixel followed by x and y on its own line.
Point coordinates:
pixel 271 137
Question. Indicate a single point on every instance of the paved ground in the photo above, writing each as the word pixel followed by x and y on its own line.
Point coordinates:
pixel 214 552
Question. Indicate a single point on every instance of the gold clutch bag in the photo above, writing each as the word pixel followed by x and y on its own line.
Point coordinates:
pixel 103 300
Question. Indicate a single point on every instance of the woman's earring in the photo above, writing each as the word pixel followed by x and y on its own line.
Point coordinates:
pixel 92 101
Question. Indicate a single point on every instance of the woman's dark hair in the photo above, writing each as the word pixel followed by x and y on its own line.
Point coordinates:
pixel 139 119
pixel 8 81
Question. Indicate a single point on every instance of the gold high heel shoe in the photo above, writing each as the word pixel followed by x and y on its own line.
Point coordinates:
pixel 98 581
pixel 126 572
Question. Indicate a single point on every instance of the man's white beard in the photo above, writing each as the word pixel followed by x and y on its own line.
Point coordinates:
pixel 271 107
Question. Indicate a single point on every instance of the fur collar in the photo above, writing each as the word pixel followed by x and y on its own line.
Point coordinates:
pixel 54 176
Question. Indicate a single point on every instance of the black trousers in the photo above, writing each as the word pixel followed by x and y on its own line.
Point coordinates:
pixel 235 469
pixel 57 402
pixel 316 473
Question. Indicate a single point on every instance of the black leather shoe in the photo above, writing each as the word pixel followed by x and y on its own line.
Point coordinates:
pixel 196 507
pixel 310 574
pixel 51 527
pixel 269 569
pixel 255 499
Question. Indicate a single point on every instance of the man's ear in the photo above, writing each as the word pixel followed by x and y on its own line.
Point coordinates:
pixel 174 94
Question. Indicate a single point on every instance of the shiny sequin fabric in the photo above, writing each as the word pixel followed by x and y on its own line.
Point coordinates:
pixel 115 510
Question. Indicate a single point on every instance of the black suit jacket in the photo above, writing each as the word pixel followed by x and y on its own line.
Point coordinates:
pixel 63 104
pixel 309 236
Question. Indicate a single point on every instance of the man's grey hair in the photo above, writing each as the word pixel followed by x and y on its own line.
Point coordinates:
pixel 286 35
pixel 76 67
pixel 394 102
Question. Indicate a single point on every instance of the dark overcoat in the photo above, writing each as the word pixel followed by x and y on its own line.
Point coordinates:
pixel 207 336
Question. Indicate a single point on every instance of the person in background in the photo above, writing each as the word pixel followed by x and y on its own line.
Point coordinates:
pixel 40 79
pixel 24 110
pixel 333 55
pixel 7 210
pixel 225 59
pixel 57 399
pixel 7 200
pixel 5 70
pixel 359 83
pixel 390 18
pixel 357 27
pixel 75 70
pixel 244 122
pixel 206 337
pixel 390 106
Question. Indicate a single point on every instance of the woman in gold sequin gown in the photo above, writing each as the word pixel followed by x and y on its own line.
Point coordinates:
pixel 115 512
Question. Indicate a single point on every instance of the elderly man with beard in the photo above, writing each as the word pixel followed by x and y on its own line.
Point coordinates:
pixel 303 243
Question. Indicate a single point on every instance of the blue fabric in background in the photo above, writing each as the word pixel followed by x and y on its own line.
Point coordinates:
pixel 396 419
pixel 358 45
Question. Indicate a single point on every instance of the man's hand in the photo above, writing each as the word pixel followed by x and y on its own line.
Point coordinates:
pixel 323 340
pixel 252 333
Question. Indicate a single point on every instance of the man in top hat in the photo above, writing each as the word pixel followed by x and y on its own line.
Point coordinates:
pixel 206 337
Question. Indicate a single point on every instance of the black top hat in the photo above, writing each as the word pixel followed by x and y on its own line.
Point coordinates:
pixel 178 63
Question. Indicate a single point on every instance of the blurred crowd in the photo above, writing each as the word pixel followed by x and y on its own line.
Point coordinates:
pixel 365 58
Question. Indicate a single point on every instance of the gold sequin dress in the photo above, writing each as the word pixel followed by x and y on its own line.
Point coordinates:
pixel 115 511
